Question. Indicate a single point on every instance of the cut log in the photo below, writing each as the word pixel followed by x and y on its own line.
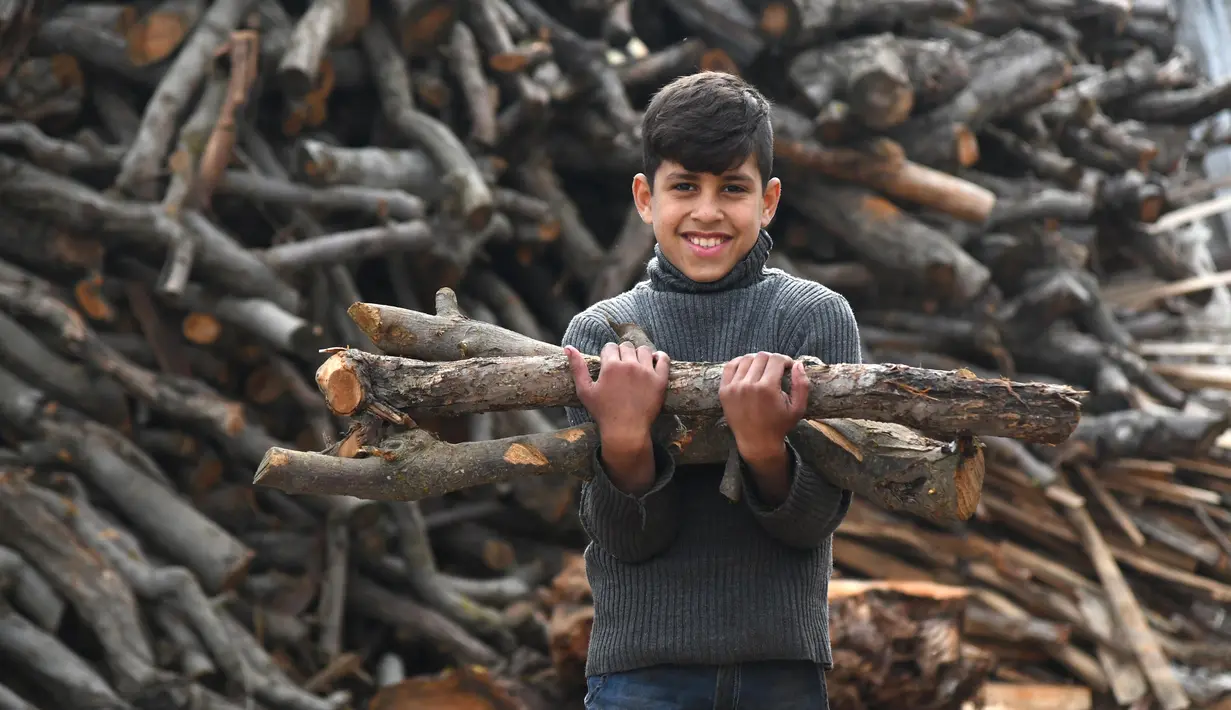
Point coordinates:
pixel 928 400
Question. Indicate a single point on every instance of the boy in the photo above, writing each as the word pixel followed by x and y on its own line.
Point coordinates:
pixel 698 602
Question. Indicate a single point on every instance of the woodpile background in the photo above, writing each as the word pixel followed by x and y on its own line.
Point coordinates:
pixel 193 194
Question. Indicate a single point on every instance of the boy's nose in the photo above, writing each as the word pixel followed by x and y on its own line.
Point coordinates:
pixel 706 210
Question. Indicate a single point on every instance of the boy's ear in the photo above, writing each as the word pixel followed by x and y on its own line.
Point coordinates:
pixel 641 197
pixel 769 203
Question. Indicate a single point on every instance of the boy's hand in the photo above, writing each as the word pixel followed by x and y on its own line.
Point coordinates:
pixel 624 401
pixel 760 414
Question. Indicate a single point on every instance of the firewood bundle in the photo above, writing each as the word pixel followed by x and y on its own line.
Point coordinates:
pixel 254 255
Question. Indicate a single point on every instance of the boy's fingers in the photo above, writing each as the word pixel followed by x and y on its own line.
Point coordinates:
pixel 800 385
pixel 757 368
pixel 628 352
pixel 662 364
pixel 773 371
pixel 645 356
pixel 741 367
pixel 728 371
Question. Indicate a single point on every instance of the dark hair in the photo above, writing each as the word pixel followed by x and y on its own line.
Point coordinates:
pixel 708 122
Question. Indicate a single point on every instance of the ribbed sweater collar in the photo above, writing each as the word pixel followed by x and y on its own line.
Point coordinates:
pixel 665 276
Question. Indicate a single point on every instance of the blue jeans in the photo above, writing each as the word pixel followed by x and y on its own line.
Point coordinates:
pixel 764 685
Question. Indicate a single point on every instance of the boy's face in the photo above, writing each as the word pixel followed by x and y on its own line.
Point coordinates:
pixel 706 223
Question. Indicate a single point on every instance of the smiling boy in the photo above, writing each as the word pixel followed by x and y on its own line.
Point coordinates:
pixel 700 602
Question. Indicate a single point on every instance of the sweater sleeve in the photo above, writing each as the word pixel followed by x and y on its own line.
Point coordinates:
pixel 814 507
pixel 630 528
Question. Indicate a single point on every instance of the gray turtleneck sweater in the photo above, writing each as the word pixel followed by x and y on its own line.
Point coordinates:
pixel 681 574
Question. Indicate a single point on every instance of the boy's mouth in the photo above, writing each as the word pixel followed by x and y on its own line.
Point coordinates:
pixel 706 242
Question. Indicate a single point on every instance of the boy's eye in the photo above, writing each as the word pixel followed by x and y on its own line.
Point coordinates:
pixel 682 186
pixel 736 188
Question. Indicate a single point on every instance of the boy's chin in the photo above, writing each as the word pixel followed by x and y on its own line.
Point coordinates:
pixel 706 272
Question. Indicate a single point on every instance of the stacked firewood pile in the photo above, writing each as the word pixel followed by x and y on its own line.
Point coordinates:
pixel 247 248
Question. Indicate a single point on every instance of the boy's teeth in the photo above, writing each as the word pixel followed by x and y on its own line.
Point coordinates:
pixel 709 242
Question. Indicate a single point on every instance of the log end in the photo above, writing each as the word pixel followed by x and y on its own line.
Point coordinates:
pixel 338 381
pixel 968 477
pixel 775 19
pixel 508 62
pixel 267 472
pixel 882 99
pixel 715 59
pixel 201 328
pixel 427 29
pixel 367 317
pixel 967 146
pixel 237 573
pixel 155 37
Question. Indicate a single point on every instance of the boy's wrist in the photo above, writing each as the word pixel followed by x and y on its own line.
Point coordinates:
pixel 761 454
pixel 771 471
pixel 629 459
pixel 625 442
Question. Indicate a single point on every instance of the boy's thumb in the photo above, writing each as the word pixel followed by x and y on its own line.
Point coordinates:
pixel 577 366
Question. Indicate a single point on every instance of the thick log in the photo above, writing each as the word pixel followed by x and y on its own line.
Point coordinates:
pixel 928 400
pixel 446 336
pixel 888 464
